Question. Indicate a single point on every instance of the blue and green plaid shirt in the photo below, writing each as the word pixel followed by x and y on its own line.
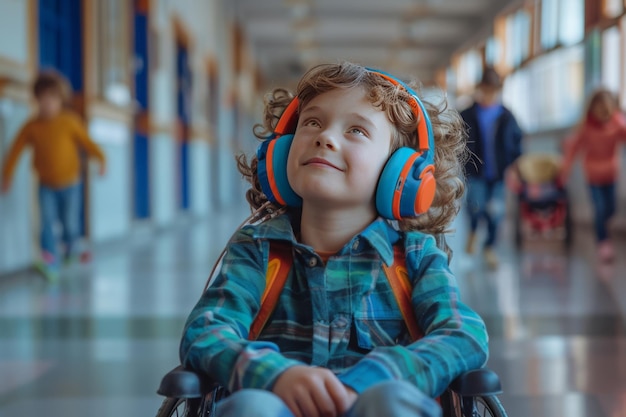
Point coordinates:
pixel 341 315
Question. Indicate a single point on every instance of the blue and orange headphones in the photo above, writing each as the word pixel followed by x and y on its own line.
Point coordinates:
pixel 406 187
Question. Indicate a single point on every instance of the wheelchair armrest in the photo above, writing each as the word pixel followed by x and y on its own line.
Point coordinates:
pixel 481 381
pixel 183 383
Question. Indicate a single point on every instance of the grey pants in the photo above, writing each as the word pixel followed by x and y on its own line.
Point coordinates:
pixel 388 399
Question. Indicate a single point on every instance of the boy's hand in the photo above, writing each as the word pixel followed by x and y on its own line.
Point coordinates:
pixel 313 392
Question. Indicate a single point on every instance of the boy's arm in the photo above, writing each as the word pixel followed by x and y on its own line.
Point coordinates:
pixel 13 155
pixel 215 337
pixel 86 143
pixel 455 338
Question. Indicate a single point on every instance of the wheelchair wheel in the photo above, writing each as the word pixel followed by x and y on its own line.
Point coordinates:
pixel 488 407
pixel 481 406
pixel 181 407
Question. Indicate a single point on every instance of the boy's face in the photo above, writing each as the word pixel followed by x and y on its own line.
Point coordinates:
pixel 50 103
pixel 488 95
pixel 339 149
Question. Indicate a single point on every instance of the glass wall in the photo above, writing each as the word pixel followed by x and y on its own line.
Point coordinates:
pixel 552 53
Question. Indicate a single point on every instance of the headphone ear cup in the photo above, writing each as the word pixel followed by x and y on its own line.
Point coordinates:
pixel 406 187
pixel 272 171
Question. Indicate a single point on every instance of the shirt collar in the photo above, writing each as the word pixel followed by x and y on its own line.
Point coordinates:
pixel 380 235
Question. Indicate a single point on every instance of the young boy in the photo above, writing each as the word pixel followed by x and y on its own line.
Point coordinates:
pixel 338 343
pixel 56 137
pixel 495 138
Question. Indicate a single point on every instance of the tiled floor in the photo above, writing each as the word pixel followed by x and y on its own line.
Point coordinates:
pixel 97 343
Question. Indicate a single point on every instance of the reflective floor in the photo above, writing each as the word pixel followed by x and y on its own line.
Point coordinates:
pixel 97 343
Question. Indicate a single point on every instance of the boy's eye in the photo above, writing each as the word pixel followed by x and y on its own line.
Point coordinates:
pixel 357 131
pixel 311 122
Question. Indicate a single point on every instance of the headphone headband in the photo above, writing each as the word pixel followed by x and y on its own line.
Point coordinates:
pixel 425 139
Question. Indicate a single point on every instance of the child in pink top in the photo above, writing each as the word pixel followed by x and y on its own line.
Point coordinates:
pixel 597 139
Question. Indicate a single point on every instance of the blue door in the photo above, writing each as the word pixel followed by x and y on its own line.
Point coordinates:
pixel 183 104
pixel 60 39
pixel 141 146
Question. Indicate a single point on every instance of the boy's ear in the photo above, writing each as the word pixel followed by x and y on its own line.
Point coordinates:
pixel 272 157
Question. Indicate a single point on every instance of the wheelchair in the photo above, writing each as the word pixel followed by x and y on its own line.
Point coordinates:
pixel 189 394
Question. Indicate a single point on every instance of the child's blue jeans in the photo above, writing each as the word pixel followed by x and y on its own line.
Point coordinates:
pixel 387 399
pixel 603 197
pixel 59 205
pixel 485 200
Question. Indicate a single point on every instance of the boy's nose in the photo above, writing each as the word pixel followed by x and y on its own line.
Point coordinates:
pixel 325 139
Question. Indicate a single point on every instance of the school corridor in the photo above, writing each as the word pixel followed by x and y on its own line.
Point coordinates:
pixel 170 91
pixel 99 341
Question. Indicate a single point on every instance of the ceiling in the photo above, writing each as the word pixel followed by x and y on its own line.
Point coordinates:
pixel 409 38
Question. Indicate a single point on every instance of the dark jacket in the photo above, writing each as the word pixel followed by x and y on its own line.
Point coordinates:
pixel 508 142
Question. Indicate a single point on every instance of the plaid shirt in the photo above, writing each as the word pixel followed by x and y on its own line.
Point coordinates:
pixel 341 315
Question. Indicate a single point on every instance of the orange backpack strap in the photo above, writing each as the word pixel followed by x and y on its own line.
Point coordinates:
pixel 400 282
pixel 278 267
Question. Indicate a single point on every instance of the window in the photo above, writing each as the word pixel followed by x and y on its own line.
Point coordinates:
pixel 492 51
pixel 548 93
pixel 113 20
pixel 571 22
pixel 611 59
pixel 469 70
pixel 517 38
pixel 549 23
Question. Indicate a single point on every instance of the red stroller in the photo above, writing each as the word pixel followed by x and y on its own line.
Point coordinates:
pixel 543 205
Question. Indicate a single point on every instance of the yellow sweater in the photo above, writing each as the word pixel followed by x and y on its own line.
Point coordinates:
pixel 55 143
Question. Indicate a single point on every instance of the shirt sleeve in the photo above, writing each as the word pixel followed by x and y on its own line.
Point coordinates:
pixel 21 141
pixel 455 338
pixel 85 142
pixel 518 135
pixel 215 336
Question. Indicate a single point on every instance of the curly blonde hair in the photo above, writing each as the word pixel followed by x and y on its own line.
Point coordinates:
pixel 448 129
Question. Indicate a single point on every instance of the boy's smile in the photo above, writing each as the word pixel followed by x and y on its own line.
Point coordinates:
pixel 321 163
pixel 339 149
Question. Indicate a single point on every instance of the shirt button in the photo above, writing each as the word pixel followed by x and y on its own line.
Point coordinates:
pixel 312 262
pixel 355 245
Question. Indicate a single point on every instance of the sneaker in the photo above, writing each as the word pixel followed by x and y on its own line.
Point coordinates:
pixel 470 246
pixel 49 271
pixel 491 258
pixel 71 260
pixel 606 253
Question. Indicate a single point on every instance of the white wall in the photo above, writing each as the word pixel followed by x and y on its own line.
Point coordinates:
pixel 163 188
pixel 199 174
pixel 18 235
pixel 13 21
pixel 110 204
